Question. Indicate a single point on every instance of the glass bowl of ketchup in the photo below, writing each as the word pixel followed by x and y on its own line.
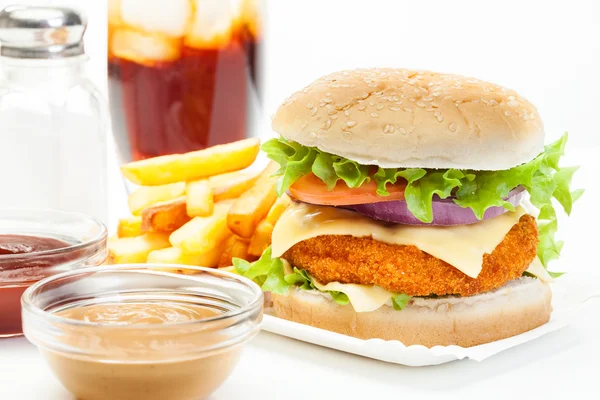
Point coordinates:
pixel 142 331
pixel 35 244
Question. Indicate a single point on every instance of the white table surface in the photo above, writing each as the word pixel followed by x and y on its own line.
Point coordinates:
pixel 561 365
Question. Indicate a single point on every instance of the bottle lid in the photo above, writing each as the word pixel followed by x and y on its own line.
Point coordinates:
pixel 41 32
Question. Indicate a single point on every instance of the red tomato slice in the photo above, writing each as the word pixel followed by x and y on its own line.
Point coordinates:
pixel 311 189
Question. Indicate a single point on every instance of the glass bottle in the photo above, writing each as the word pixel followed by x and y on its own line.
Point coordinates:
pixel 53 121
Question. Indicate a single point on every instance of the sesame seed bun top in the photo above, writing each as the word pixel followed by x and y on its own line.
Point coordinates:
pixel 413 119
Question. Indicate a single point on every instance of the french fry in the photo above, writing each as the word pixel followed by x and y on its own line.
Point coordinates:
pixel 234 247
pixel 148 195
pixel 166 216
pixel 231 185
pixel 199 198
pixel 202 234
pixel 278 208
pixel 174 255
pixel 136 249
pixel 129 227
pixel 261 239
pixel 194 165
pixel 252 206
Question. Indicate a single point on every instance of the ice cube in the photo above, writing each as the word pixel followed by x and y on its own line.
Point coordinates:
pixel 213 22
pixel 142 48
pixel 114 12
pixel 157 16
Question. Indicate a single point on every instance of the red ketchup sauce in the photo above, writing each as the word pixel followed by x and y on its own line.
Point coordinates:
pixel 25 260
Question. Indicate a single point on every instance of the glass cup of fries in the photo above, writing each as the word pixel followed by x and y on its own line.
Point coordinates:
pixel 201 208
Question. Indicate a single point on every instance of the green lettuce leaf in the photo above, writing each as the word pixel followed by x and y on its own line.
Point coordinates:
pixel 400 301
pixel 301 279
pixel 269 273
pixel 478 190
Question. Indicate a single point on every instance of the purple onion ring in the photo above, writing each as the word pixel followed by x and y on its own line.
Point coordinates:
pixel 445 211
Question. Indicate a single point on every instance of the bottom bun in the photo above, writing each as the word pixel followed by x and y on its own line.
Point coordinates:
pixel 516 307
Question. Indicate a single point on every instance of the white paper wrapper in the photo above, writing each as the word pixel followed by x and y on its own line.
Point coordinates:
pixel 567 296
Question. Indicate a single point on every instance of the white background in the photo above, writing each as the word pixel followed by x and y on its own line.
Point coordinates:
pixel 548 50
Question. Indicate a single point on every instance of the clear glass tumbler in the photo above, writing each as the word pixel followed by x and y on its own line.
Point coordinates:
pixel 182 74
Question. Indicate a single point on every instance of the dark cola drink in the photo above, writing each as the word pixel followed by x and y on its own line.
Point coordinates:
pixel 182 73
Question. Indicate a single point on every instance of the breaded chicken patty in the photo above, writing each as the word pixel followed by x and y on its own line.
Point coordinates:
pixel 406 269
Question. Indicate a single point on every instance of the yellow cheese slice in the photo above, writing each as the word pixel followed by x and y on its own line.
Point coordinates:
pixel 460 246
pixel 363 298
pixel 537 269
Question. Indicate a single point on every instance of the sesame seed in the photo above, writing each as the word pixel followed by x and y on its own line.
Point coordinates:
pixel 380 106
pixel 413 99
pixel 452 127
pixel 493 102
pixel 364 95
pixel 388 129
pixel 333 117
pixel 438 115
pixel 507 113
pixel 347 135
pixel 313 111
pixel 372 102
pixel 327 124
pixel 362 107
pixel 395 108
pixel 347 113
pixel 350 124
pixel 328 94
pixel 374 115
pixel 511 98
pixel 513 103
pixel 427 98
pixel 331 112
pixel 420 104
pixel 312 134
pixel 402 131
pixel 309 106
pixel 407 109
pixel 326 100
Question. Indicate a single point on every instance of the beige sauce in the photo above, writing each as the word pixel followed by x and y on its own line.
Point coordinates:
pixel 139 373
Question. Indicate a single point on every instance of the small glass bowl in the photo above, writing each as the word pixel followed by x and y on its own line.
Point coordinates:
pixel 86 239
pixel 182 360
